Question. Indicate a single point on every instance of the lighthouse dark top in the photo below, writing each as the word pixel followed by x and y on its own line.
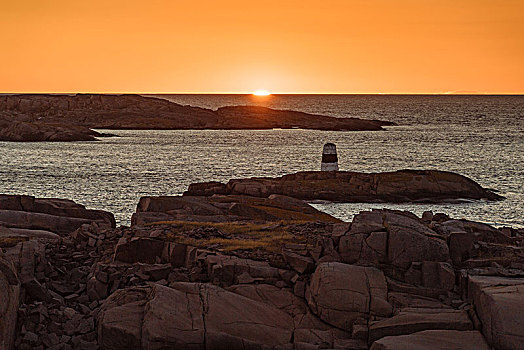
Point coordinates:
pixel 329 158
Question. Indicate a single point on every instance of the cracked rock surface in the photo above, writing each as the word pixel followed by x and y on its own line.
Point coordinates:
pixel 258 273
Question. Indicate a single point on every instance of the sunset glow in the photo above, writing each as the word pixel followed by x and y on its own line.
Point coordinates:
pixel 234 46
pixel 261 93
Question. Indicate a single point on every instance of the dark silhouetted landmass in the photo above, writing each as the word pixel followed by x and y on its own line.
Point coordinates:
pixel 40 117
pixel 32 131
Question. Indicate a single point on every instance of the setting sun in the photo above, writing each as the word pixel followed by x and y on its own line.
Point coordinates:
pixel 206 46
pixel 261 93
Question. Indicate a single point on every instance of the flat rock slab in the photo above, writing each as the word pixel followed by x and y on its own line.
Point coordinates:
pixel 41 217
pixel 420 320
pixel 187 316
pixel 53 206
pixel 499 303
pixel 280 298
pixel 225 208
pixel 434 340
pixel 40 221
pixel 402 301
pixel 28 234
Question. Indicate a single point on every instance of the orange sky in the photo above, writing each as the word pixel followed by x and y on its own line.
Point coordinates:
pixel 304 46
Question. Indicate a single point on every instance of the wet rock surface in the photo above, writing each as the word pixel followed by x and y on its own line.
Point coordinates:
pixel 387 280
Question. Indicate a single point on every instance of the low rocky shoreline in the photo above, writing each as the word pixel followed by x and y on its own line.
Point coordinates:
pixel 41 117
pixel 36 131
pixel 402 186
pixel 238 271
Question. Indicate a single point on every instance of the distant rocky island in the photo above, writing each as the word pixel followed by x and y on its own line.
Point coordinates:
pixel 245 269
pixel 41 117
pixel 402 186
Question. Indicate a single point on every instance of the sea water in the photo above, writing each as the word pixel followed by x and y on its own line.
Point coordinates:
pixel 481 137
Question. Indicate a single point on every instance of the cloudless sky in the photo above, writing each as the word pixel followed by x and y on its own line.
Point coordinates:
pixel 302 46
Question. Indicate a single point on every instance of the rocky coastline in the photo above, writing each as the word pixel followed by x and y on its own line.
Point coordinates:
pixel 41 117
pixel 402 186
pixel 249 271
pixel 35 131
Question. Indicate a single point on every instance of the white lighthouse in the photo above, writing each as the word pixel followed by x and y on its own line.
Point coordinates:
pixel 329 158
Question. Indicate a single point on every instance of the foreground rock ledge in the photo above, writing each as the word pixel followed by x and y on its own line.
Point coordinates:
pixel 243 272
pixel 186 314
pixel 421 186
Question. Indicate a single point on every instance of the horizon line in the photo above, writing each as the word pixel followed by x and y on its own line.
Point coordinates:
pixel 270 93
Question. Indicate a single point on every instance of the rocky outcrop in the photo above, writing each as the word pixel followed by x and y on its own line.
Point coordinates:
pixel 190 315
pixel 499 303
pixel 29 227
pixel 278 280
pixel 9 301
pixel 472 243
pixel 402 246
pixel 33 131
pixel 420 186
pixel 68 117
pixel 53 309
pixel 25 214
pixel 341 294
pixel 220 208
pixel 255 117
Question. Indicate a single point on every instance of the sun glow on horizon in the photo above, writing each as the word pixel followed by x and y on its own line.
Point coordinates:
pixel 261 93
pixel 355 47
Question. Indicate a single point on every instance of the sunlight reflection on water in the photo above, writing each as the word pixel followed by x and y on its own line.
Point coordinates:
pixel 114 173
